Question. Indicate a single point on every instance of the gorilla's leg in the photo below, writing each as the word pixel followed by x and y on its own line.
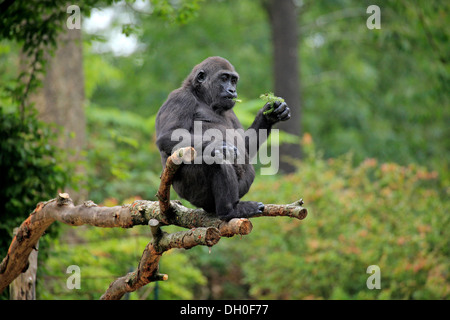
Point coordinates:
pixel 225 189
pixel 191 182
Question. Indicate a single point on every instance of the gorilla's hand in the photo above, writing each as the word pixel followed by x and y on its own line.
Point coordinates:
pixel 277 112
pixel 227 152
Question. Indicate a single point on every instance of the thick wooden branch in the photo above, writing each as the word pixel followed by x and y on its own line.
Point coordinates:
pixel 183 155
pixel 205 228
pixel 164 241
pixel 28 234
pixel 138 213
pixel 147 270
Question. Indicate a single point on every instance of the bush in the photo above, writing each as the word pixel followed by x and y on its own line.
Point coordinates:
pixel 31 169
pixel 374 213
pixel 384 214
pixel 122 157
pixel 104 255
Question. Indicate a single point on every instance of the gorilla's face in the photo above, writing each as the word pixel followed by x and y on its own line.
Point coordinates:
pixel 223 89
pixel 214 82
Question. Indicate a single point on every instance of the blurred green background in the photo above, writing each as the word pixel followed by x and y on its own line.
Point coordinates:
pixel 375 137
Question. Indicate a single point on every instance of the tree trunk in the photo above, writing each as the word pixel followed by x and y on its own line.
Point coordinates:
pixel 24 286
pixel 283 21
pixel 61 98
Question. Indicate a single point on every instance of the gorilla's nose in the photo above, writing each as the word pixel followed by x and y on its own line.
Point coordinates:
pixel 232 93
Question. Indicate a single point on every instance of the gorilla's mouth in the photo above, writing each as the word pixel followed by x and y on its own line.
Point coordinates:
pixel 225 103
pixel 230 97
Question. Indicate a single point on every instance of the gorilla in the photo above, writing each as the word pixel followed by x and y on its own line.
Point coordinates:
pixel 206 100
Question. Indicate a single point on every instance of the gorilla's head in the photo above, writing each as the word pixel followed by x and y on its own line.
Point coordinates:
pixel 214 81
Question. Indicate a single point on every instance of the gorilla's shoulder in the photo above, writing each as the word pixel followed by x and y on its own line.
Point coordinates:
pixel 180 98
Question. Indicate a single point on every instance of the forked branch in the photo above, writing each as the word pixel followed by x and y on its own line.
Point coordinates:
pixel 204 228
pixel 147 270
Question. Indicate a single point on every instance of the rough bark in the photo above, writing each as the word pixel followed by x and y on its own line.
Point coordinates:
pixel 24 286
pixel 147 270
pixel 183 155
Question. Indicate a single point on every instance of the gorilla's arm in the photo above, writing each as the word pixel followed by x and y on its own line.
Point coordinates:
pixel 281 112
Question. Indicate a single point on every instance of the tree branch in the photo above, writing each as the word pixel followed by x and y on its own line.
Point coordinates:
pixel 147 270
pixel 293 210
pixel 205 228
pixel 183 155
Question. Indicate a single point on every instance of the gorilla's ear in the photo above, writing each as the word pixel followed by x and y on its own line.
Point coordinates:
pixel 201 76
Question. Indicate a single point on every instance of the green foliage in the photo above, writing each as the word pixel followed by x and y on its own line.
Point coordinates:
pixel 31 169
pixel 270 98
pixel 36 28
pixel 379 94
pixel 33 27
pixel 179 12
pixel 373 213
pixel 104 255
pixel 387 90
pixel 366 95
pixel 122 155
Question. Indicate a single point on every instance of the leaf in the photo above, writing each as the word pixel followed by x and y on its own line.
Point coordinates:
pixel 270 98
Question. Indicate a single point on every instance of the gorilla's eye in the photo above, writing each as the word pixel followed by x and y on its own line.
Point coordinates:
pixel 224 77
pixel 201 76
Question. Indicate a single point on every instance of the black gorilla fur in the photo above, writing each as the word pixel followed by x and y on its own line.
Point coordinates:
pixel 207 95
